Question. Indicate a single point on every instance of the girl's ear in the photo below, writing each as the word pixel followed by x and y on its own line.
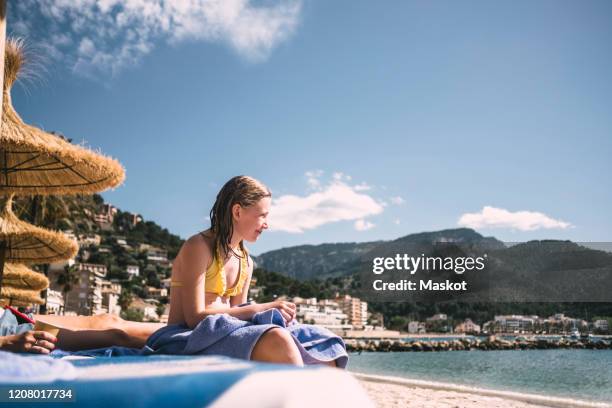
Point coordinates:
pixel 236 211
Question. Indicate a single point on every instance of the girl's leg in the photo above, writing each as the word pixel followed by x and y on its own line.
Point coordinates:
pixel 277 346
pixel 74 340
pixel 104 330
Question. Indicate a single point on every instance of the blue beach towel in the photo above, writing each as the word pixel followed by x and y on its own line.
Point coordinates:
pixel 222 334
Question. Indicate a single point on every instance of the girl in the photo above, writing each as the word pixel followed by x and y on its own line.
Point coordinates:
pixel 210 284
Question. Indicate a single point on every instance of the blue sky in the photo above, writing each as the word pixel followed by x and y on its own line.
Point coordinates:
pixel 367 120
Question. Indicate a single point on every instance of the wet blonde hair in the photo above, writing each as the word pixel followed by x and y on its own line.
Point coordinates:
pixel 243 190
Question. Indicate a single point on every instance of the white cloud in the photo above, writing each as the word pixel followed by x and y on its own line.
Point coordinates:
pixel 397 200
pixel 339 176
pixel 313 179
pixel 492 217
pixel 113 34
pixel 397 221
pixel 363 186
pixel 335 202
pixel 363 225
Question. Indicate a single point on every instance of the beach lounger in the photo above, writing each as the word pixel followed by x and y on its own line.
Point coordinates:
pixel 181 381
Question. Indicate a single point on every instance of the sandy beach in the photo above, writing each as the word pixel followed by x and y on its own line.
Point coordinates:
pixel 393 392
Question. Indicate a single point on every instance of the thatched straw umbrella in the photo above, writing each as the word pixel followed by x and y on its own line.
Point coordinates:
pixel 23 242
pixel 22 285
pixel 22 296
pixel 19 276
pixel 34 162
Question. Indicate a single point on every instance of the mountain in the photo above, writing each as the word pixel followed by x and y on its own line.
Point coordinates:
pixel 342 259
pixel 306 262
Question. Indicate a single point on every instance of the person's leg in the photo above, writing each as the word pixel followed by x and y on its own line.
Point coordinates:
pixel 84 339
pixel 277 346
pixel 103 330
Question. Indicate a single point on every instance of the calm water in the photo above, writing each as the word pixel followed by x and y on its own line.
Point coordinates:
pixel 579 374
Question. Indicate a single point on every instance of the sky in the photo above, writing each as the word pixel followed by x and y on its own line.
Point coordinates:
pixel 367 120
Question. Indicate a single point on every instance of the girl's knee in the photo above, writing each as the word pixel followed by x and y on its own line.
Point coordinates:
pixel 277 345
pixel 279 337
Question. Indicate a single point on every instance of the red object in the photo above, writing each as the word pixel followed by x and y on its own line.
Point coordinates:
pixel 21 315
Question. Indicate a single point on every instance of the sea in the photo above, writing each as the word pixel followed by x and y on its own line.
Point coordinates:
pixel 570 373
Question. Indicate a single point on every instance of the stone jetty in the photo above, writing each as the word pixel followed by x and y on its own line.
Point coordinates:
pixel 490 343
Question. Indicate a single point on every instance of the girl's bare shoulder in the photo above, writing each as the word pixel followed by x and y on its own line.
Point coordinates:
pixel 198 246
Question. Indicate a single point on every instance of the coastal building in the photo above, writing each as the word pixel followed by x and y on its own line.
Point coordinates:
pixel 110 297
pixel 122 241
pixel 106 216
pixel 155 293
pixel 601 326
pixel 415 327
pixel 148 308
pixel 512 324
pixel 85 297
pixel 155 254
pixel 438 323
pixel 468 326
pixel 254 290
pixel 325 313
pixel 355 309
pixel 85 240
pixel 133 270
pixel 561 324
pixel 55 302
pixel 164 317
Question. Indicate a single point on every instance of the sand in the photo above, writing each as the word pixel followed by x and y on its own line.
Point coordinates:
pixel 393 392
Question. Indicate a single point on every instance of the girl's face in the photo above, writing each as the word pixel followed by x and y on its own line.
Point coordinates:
pixel 250 222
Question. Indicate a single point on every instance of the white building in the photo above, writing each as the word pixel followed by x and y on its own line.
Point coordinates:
pixel 515 323
pixel 110 297
pixel 133 270
pixel 468 326
pixel 323 313
pixel 155 293
pixel 148 308
pixel 55 301
pixel 89 239
pixel 601 325
pixel 85 298
pixel 415 327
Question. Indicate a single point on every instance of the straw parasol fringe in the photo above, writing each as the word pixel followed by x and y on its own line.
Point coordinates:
pixel 26 243
pixel 19 276
pixel 34 162
pixel 21 295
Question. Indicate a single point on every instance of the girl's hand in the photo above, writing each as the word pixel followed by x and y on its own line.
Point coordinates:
pixel 287 309
pixel 30 342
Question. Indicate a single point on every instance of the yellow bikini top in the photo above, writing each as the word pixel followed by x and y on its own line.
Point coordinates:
pixel 215 276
